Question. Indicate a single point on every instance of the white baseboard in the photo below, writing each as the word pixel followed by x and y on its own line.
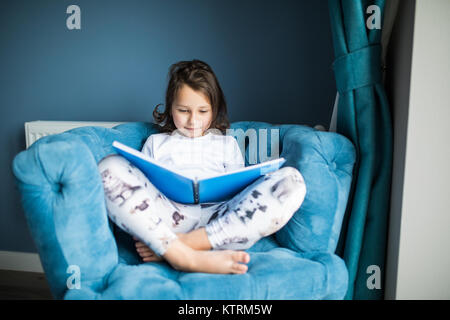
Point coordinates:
pixel 20 261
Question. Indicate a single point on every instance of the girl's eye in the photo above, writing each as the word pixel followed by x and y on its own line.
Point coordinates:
pixel 203 111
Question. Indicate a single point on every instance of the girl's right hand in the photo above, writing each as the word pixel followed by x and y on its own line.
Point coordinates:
pixel 145 252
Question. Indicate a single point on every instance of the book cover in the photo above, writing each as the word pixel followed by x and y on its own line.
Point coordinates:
pixel 180 188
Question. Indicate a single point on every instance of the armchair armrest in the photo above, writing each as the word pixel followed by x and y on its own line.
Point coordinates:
pixel 64 204
pixel 325 159
pixel 63 199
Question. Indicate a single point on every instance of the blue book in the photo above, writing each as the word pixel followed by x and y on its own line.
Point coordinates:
pixel 183 189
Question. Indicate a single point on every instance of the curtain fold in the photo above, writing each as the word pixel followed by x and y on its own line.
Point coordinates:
pixel 363 116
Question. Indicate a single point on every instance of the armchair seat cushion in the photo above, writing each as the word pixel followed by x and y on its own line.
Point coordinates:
pixel 307 276
pixel 64 205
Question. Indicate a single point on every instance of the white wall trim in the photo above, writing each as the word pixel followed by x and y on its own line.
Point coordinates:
pixel 20 261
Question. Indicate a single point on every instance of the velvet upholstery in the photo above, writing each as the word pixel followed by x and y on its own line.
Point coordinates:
pixel 64 205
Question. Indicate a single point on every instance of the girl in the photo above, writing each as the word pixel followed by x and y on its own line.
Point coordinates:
pixel 207 237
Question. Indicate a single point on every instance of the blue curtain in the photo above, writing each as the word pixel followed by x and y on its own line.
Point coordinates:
pixel 363 116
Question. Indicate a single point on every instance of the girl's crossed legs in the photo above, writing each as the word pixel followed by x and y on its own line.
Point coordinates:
pixel 261 209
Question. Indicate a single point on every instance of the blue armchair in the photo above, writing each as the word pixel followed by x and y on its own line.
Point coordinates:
pixel 63 200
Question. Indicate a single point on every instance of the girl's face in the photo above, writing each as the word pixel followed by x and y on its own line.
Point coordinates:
pixel 191 112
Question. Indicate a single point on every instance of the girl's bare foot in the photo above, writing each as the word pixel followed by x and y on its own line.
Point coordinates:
pixel 196 239
pixel 223 261
pixel 183 258
pixel 146 253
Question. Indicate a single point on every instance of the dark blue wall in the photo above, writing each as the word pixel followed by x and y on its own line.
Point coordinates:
pixel 273 60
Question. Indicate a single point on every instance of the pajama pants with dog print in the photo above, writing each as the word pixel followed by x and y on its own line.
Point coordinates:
pixel 140 209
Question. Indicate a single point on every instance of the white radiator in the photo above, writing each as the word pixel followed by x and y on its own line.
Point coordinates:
pixel 35 130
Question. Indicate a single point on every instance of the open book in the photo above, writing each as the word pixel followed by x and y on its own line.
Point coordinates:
pixel 183 189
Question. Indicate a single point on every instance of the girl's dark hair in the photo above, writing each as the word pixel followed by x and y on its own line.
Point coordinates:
pixel 199 76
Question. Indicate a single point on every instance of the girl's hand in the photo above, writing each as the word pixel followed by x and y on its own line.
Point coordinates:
pixel 145 252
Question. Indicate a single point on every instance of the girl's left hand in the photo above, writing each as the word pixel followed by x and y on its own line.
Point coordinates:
pixel 145 252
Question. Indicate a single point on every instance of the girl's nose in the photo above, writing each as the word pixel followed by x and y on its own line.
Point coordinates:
pixel 194 122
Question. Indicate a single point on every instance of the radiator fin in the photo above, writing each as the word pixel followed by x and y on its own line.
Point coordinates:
pixel 34 130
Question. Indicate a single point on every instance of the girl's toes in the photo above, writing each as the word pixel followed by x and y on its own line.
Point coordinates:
pixel 241 256
pixel 239 268
pixel 148 259
pixel 139 244
pixel 146 254
pixel 152 258
pixel 240 259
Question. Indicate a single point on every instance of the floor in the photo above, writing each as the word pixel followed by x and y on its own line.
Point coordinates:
pixel 18 285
